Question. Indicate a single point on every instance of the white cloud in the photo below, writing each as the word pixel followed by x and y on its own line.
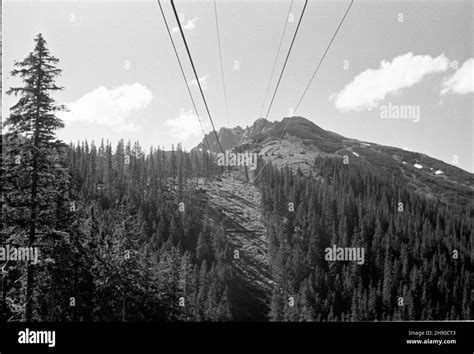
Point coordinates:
pixel 462 81
pixel 186 125
pixel 189 26
pixel 109 107
pixel 373 85
pixel 202 81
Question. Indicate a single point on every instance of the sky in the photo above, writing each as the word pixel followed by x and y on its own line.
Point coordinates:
pixel 121 78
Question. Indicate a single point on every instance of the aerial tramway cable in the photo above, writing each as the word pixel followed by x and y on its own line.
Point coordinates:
pixel 222 65
pixel 184 75
pixel 195 74
pixel 314 74
pixel 276 58
pixel 286 59
pixel 324 55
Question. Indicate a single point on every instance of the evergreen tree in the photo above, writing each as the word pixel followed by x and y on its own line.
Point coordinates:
pixel 32 167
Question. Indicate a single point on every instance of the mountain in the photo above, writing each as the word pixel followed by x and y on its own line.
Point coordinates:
pixel 296 142
pixel 232 137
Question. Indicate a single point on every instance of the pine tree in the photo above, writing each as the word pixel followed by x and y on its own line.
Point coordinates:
pixel 32 122
pixel 204 247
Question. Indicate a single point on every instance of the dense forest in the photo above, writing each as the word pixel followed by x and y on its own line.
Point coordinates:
pixel 418 252
pixel 128 235
pixel 122 236
pixel 125 241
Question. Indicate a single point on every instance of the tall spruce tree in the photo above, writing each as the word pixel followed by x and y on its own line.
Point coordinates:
pixel 32 173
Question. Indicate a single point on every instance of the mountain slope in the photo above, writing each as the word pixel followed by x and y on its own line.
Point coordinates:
pixel 232 137
pixel 237 204
pixel 297 141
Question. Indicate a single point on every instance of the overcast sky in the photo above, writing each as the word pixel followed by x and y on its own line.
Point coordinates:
pixel 122 79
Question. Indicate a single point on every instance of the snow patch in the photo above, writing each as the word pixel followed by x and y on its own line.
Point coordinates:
pixel 418 166
pixel 439 172
pixel 355 153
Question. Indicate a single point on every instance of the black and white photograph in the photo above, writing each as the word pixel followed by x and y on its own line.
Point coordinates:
pixel 269 166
